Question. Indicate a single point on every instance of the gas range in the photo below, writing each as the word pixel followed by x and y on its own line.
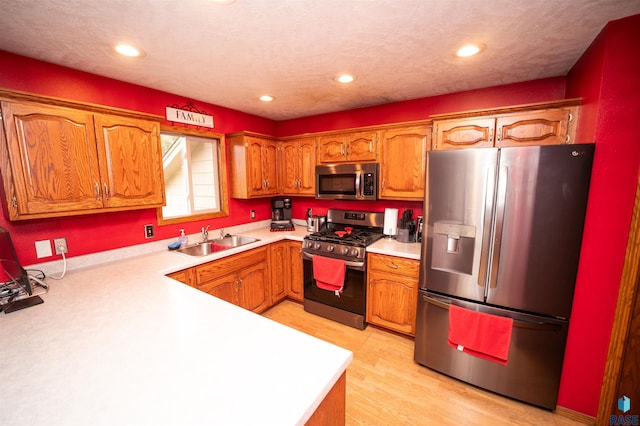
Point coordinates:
pixel 346 236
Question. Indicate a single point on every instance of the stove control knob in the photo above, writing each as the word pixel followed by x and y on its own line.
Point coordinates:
pixel 345 250
pixel 330 247
pixel 317 246
pixel 355 252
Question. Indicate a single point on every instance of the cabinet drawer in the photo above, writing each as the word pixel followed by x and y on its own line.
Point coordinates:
pixel 217 268
pixel 397 265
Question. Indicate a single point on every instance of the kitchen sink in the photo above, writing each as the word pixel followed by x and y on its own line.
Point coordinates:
pixel 235 240
pixel 213 246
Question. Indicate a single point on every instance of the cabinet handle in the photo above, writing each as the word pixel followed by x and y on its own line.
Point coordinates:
pixel 393 266
pixel 499 135
pixel 382 185
pixel 97 192
pixel 491 136
pixel 106 191
pixel 341 149
pixel 567 139
pixel 370 146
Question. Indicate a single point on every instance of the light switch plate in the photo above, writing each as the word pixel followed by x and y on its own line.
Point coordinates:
pixel 43 249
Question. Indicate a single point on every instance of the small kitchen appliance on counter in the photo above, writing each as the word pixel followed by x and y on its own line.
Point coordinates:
pixel 281 215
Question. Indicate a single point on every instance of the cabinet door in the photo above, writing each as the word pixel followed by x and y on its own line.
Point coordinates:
pixel 185 276
pixel 363 146
pixel 279 270
pixel 296 282
pixel 544 127
pixel 391 302
pixel 256 183
pixel 254 287
pixel 463 133
pixel 307 167
pixel 225 288
pixel 270 167
pixel 54 163
pixel 130 161
pixel 402 162
pixel 332 149
pixel 288 166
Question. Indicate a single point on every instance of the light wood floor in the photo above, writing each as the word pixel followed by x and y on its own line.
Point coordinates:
pixel 386 387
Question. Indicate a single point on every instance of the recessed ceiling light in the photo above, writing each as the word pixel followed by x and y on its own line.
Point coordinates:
pixel 469 50
pixel 128 50
pixel 266 98
pixel 223 1
pixel 345 78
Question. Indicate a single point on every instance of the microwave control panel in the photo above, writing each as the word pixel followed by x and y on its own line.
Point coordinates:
pixel 369 184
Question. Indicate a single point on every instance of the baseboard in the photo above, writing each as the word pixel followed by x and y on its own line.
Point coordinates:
pixel 574 415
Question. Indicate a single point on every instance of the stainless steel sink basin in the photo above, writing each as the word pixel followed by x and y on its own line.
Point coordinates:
pixel 213 246
pixel 235 240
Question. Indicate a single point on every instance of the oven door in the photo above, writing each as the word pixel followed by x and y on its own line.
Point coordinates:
pixel 349 307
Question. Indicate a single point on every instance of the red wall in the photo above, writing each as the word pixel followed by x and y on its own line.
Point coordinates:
pixel 607 78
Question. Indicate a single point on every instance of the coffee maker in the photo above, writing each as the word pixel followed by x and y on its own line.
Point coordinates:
pixel 281 215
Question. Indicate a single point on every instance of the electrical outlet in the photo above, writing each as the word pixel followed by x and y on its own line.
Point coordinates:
pixel 60 245
pixel 253 214
pixel 148 231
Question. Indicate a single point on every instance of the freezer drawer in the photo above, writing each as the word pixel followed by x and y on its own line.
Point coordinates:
pixel 533 370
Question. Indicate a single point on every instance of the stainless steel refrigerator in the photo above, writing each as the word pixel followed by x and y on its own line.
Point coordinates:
pixel 503 237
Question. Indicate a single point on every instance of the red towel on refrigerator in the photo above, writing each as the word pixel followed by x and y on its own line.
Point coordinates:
pixel 479 334
pixel 329 273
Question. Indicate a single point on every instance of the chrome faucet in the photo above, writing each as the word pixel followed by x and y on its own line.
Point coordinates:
pixel 221 233
pixel 205 234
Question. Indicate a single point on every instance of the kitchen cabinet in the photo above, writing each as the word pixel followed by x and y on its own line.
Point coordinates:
pixel 540 124
pixel 348 147
pixel 242 279
pixel 403 153
pixel 253 163
pixel 297 160
pixel 392 292
pixel 185 276
pixel 61 160
pixel 296 280
pixel 279 271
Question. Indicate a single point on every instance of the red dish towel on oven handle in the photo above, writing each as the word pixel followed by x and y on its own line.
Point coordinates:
pixel 480 334
pixel 329 273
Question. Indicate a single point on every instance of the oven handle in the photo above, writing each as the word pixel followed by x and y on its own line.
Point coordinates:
pixel 347 262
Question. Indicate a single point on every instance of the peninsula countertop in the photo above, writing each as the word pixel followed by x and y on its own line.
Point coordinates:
pixel 120 343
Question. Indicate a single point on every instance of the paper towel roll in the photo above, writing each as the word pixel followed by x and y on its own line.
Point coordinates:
pixel 390 222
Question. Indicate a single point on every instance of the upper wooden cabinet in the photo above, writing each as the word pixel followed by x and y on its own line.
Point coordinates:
pixel 539 124
pixel 403 153
pixel 59 160
pixel 348 147
pixel 296 162
pixel 253 161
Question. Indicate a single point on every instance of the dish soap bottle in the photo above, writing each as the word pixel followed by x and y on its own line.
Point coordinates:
pixel 183 240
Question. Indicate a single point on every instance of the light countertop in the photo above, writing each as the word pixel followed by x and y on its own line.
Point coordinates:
pixel 117 342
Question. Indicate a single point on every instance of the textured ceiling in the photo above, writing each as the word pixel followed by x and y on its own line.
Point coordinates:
pixel 293 49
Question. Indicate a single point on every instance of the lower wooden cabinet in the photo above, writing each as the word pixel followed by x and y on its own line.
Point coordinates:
pixel 296 282
pixel 392 292
pixel 185 276
pixel 255 280
pixel 278 265
pixel 242 279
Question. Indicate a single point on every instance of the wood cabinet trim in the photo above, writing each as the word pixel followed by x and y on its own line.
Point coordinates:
pixel 563 103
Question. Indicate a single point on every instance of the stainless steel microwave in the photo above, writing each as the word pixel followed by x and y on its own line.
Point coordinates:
pixel 347 181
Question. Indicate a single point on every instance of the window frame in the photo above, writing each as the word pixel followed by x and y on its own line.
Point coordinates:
pixel 222 160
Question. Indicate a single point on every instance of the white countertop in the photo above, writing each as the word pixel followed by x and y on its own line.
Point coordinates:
pixel 119 343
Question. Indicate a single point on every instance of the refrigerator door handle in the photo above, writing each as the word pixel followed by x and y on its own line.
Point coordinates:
pixel 501 200
pixel 486 227
pixel 520 323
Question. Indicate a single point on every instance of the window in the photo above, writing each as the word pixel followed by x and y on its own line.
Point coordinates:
pixel 194 176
